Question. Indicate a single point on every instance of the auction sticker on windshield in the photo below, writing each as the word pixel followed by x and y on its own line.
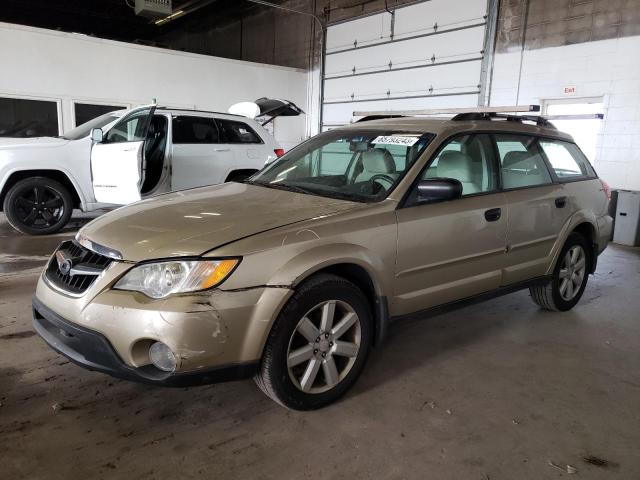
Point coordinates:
pixel 406 140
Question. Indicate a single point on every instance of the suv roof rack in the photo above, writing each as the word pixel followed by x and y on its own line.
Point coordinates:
pixel 537 119
pixel 464 114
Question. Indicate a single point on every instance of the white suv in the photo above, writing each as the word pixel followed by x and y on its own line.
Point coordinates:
pixel 123 156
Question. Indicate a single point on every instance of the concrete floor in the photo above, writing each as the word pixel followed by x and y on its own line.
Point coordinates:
pixel 494 391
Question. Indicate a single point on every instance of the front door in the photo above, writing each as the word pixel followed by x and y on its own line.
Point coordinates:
pixel 455 249
pixel 117 161
pixel 198 157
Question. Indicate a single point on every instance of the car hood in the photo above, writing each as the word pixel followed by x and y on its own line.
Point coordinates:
pixel 32 142
pixel 192 222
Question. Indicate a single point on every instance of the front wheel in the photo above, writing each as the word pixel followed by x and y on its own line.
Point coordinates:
pixel 318 345
pixel 38 206
pixel 569 277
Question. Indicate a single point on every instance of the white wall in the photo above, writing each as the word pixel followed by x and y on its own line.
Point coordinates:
pixel 65 67
pixel 607 68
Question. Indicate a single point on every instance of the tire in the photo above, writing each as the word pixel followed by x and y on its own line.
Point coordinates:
pixel 38 206
pixel 286 385
pixel 552 295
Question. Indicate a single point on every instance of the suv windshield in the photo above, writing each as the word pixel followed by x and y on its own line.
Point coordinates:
pixel 358 165
pixel 84 130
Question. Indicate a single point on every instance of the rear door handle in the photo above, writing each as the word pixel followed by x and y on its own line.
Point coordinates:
pixel 221 149
pixel 561 202
pixel 493 214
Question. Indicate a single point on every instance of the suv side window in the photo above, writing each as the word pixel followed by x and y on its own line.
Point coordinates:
pixel 130 129
pixel 233 131
pixel 521 162
pixel 566 159
pixel 189 129
pixel 469 159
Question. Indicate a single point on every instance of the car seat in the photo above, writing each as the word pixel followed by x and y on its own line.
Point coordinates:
pixel 377 161
pixel 458 165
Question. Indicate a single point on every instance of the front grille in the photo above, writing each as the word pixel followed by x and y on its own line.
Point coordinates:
pixel 82 259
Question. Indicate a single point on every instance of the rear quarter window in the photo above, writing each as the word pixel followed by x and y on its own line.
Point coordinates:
pixel 566 160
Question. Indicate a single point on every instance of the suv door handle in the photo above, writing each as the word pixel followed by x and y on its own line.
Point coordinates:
pixel 493 214
pixel 561 202
pixel 221 149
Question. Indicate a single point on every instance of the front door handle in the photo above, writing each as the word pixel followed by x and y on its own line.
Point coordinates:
pixel 561 202
pixel 493 214
pixel 221 149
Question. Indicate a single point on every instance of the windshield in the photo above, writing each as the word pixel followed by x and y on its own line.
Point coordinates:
pixel 359 165
pixel 84 130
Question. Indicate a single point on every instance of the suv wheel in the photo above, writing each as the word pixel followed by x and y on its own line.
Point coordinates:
pixel 38 206
pixel 569 277
pixel 318 345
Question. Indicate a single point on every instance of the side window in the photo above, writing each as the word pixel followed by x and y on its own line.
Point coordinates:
pixel 130 129
pixel 189 129
pixel 469 159
pixel 233 131
pixel 566 159
pixel 521 162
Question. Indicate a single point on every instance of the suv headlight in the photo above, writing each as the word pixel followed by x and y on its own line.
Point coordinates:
pixel 160 279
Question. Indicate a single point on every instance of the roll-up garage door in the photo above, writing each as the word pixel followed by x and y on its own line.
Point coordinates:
pixel 426 55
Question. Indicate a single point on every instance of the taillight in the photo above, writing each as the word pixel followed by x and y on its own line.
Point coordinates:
pixel 279 152
pixel 606 189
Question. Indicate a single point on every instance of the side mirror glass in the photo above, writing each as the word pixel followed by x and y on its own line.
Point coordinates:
pixel 438 190
pixel 97 135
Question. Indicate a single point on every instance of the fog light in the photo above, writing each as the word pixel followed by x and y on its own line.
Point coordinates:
pixel 162 357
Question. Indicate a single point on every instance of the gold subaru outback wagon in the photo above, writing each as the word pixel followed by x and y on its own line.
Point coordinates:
pixel 293 275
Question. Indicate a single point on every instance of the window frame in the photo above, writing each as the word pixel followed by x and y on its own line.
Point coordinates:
pixel 57 101
pixel 126 118
pixel 404 202
pixel 222 134
pixel 213 119
pixel 74 102
pixel 562 180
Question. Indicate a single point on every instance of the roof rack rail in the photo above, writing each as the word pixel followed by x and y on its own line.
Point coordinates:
pixel 437 111
pixel 537 119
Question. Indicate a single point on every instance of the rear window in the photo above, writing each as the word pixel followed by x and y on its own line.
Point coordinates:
pixel 566 160
pixel 189 129
pixel 232 131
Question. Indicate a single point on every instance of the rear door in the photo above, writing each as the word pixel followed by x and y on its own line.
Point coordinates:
pixel 249 150
pixel 117 161
pixel 536 210
pixel 198 157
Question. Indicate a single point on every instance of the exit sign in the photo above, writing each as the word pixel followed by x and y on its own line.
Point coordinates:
pixel 569 90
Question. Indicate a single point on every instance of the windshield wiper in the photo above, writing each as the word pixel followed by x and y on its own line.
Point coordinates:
pixel 280 186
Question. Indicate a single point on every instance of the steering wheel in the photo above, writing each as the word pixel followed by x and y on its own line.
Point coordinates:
pixel 382 176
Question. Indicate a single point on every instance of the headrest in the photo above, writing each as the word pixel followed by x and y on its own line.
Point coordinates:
pixel 458 165
pixel 378 160
pixel 512 158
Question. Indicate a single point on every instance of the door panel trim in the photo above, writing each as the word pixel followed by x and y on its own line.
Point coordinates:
pixel 487 253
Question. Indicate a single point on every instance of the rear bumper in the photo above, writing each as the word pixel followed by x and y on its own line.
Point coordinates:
pixel 91 350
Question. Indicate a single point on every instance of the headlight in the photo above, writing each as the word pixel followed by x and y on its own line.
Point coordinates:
pixel 158 280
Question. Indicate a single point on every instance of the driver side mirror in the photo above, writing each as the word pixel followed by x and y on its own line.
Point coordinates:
pixel 438 190
pixel 97 135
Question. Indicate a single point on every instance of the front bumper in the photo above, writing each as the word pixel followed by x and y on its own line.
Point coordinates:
pixel 92 350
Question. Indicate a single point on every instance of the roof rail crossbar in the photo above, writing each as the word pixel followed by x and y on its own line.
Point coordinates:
pixel 437 111
pixel 538 120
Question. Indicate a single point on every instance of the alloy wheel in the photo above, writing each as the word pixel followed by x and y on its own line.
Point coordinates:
pixel 327 339
pixel 572 272
pixel 39 207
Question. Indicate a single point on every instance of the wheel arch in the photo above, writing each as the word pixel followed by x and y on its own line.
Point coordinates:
pixel 57 175
pixel 240 171
pixel 352 263
pixel 584 223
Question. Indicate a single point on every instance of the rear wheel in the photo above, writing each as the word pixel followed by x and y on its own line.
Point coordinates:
pixel 318 345
pixel 569 277
pixel 38 206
